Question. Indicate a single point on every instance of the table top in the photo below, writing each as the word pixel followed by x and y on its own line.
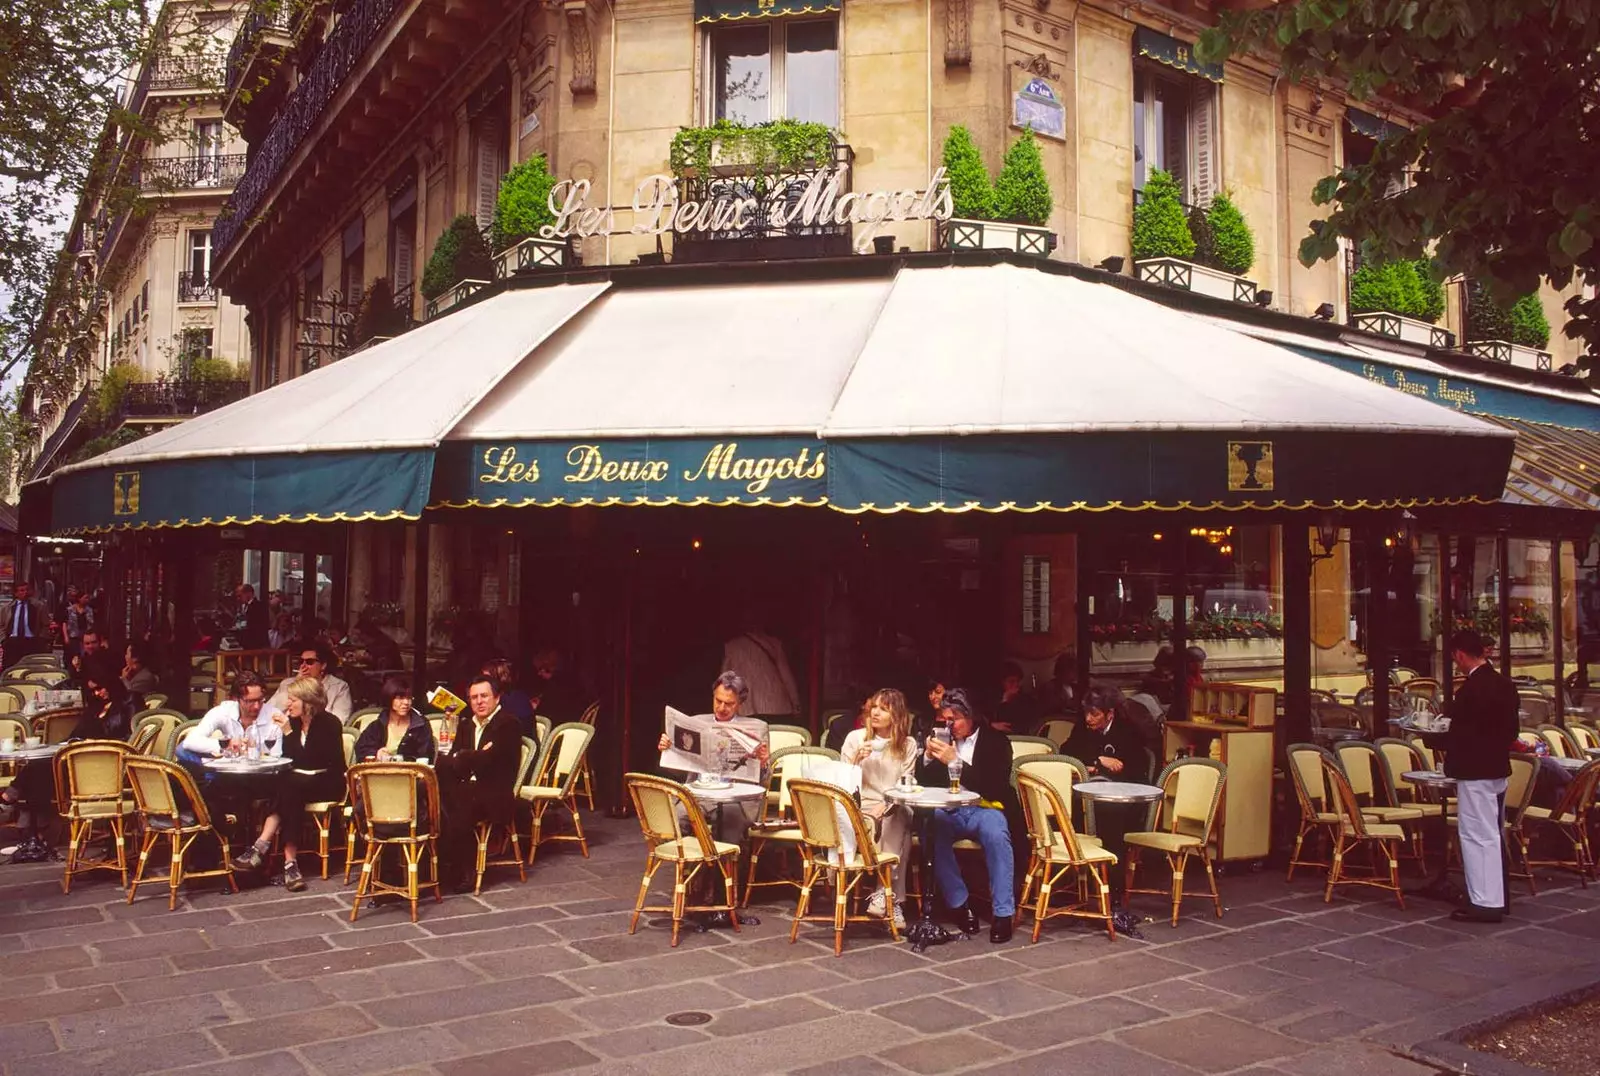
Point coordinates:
pixel 928 799
pixel 1592 752
pixel 732 792
pixel 1118 791
pixel 1569 763
pixel 247 765
pixel 1429 777
pixel 28 754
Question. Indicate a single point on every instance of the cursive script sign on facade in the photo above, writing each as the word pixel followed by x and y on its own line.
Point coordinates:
pixel 658 208
pixel 758 470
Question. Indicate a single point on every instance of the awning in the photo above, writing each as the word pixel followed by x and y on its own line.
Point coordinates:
pixel 710 394
pixel 1553 466
pixel 735 10
pixel 1374 127
pixel 1011 388
pixel 353 440
pixel 1163 49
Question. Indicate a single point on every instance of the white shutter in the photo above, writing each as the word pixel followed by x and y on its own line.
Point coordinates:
pixel 489 168
pixel 402 267
pixel 1203 134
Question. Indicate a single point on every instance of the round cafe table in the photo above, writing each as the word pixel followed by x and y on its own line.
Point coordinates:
pixel 1437 786
pixel 33 848
pixel 923 802
pixel 1112 826
pixel 233 783
pixel 715 798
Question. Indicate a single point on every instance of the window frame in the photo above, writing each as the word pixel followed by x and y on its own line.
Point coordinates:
pixel 1151 75
pixel 192 249
pixel 777 28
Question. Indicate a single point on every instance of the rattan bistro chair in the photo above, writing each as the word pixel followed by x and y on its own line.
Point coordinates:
pixel 324 815
pixel 1055 849
pixel 159 787
pixel 1023 746
pixel 556 782
pixel 485 831
pixel 57 725
pixel 1561 742
pixel 666 811
pixel 1570 818
pixel 590 716
pixel 360 719
pixel 399 810
pixel 1181 825
pixel 1365 769
pixel 776 824
pixel 1311 792
pixel 818 808
pixel 1355 829
pixel 781 736
pixel 91 773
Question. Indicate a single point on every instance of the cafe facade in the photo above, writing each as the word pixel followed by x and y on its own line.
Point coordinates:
pixel 901 459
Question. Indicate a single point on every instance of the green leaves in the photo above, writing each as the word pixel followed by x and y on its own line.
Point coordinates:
pixel 523 205
pixel 971 193
pixel 460 254
pixel 1021 191
pixel 1233 244
pixel 1159 227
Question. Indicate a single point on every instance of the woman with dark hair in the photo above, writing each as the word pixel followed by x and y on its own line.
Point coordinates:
pixel 401 732
pixel 1108 741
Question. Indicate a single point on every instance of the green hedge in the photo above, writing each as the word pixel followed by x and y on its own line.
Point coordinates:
pixel 460 254
pixel 1529 326
pixel 1406 288
pixel 1523 322
pixel 1233 244
pixel 523 206
pixel 1159 227
pixel 971 193
pixel 1021 192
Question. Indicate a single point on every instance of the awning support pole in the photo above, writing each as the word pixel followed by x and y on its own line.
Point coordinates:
pixel 1379 656
pixel 419 606
pixel 1296 632
pixel 1448 544
pixel 1556 621
pixel 1503 567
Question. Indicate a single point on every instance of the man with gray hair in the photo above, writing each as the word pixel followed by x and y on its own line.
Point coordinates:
pixel 728 692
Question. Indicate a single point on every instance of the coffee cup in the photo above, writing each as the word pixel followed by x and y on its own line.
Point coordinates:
pixel 8 745
pixel 33 741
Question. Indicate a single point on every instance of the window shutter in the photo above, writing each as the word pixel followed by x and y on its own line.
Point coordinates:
pixel 1204 133
pixel 402 267
pixel 490 169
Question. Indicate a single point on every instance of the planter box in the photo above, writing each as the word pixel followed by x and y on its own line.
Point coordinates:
pixel 531 253
pixel 453 298
pixel 1516 354
pixel 1403 328
pixel 1220 654
pixel 1177 273
pixel 959 233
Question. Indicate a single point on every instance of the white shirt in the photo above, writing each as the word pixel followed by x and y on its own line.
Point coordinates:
pixel 338 692
pixel 964 748
pixel 224 718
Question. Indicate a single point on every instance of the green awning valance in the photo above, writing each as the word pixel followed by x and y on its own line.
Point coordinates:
pixel 735 10
pixel 1365 123
pixel 1157 46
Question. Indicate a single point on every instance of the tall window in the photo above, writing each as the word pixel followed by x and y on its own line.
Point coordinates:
pixel 353 264
pixel 193 344
pixel 490 162
pixel 402 250
pixel 199 257
pixel 776 69
pixel 206 138
pixel 1175 129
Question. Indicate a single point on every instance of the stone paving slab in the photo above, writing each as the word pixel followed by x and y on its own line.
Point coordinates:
pixel 543 977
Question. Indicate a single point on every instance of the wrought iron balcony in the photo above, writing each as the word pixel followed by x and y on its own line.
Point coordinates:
pixel 184 73
pixel 179 398
pixel 195 288
pixel 188 173
pixel 354 34
pixel 272 19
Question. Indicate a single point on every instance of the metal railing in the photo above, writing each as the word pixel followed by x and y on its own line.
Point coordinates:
pixel 195 288
pixel 267 19
pixel 183 72
pixel 179 397
pixel 355 33
pixel 195 171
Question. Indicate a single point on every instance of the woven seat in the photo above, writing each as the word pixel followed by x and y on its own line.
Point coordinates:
pixel 89 776
pixel 1181 824
pixel 693 853
pixel 1055 850
pixel 829 819
pixel 159 787
pixel 400 811
pixel 664 808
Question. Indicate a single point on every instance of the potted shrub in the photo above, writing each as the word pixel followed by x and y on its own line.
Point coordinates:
pixel 378 318
pixel 520 211
pixel 1517 334
pixel 1206 250
pixel 1399 299
pixel 1007 215
pixel 459 267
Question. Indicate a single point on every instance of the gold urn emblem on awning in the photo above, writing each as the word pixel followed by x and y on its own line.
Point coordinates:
pixel 125 493
pixel 1249 466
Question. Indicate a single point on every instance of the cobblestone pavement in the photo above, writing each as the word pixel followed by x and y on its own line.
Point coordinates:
pixel 543 977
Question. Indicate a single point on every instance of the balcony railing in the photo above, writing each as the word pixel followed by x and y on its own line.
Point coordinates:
pixel 180 398
pixel 270 19
pixel 187 173
pixel 184 72
pixel 357 29
pixel 195 288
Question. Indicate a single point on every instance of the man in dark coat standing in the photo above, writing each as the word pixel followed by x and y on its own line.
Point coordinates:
pixel 26 625
pixel 250 619
pixel 477 780
pixel 1483 726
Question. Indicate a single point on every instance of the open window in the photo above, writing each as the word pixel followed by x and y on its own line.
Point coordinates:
pixel 763 69
pixel 1175 120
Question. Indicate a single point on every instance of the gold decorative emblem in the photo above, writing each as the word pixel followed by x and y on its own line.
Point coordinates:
pixel 125 493
pixel 1249 465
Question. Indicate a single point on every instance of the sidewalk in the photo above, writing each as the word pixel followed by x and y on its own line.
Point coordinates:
pixel 543 977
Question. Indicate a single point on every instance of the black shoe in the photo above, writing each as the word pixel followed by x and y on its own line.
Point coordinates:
pixel 1000 929
pixel 965 919
pixel 1474 914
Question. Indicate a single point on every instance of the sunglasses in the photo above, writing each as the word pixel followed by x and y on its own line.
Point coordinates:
pixel 310 661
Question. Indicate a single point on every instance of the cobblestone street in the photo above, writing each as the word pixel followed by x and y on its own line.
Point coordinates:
pixel 543 977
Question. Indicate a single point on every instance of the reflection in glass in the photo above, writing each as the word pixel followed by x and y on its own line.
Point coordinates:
pixel 744 74
pixel 811 72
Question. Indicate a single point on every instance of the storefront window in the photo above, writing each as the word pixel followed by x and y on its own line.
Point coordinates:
pixel 1532 611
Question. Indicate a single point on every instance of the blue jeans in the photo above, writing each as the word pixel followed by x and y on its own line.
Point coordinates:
pixel 194 762
pixel 987 826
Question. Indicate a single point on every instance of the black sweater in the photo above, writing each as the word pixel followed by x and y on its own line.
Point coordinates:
pixel 1121 740
pixel 416 743
pixel 989 775
pixel 1483 727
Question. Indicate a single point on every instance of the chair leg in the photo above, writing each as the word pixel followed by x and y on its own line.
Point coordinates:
pixel 807 879
pixel 150 838
pixel 74 834
pixel 750 878
pixel 730 883
pixel 119 834
pixel 516 852
pixel 577 825
pixel 1129 873
pixel 1178 863
pixel 1216 898
pixel 1039 911
pixel 677 900
pixel 839 910
pixel 1294 857
pixel 651 865
pixel 886 880
pixel 175 873
pixel 1102 877
pixel 364 879
pixel 1394 872
pixel 1334 870
pixel 535 829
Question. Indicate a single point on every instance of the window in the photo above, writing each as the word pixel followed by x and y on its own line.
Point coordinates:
pixel 353 265
pixel 312 294
pixel 489 162
pixel 194 344
pixel 1174 129
pixel 199 257
pixel 144 298
pixel 402 252
pixel 206 138
pixel 777 69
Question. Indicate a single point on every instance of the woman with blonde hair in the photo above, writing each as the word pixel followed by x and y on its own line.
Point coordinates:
pixel 884 750
pixel 314 739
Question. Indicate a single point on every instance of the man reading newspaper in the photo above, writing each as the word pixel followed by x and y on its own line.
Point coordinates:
pixel 724 744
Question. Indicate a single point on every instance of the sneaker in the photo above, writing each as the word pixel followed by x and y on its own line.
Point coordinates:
pixel 899 919
pixel 292 879
pixel 875 905
pixel 248 860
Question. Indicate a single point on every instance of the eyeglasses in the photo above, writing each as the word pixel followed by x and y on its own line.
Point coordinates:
pixel 312 660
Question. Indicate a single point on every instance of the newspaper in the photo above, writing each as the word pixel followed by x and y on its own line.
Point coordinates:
pixel 702 744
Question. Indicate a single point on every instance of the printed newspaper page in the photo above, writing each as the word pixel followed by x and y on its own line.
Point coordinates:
pixel 702 744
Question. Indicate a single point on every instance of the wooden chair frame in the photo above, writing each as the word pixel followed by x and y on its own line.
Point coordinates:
pixel 485 831
pixel 153 780
pixel 420 835
pixel 1054 850
pixel 1355 830
pixel 664 808
pixel 1314 815
pixel 816 807
pixel 91 797
pixel 1378 785
pixel 552 784
pixel 767 829
pixel 1571 817
pixel 1175 834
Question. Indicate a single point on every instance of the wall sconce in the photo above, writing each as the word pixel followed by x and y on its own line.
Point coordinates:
pixel 1112 264
pixel 1263 297
pixel 1325 312
pixel 1327 536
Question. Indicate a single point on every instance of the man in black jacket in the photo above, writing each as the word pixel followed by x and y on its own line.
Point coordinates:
pixel 249 619
pixel 985 769
pixel 1483 726
pixel 477 780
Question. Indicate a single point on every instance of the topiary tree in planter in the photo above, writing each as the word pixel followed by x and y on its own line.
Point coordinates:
pixel 1529 326
pixel 1021 192
pixel 1486 319
pixel 1430 291
pixel 378 315
pixel 1233 244
pixel 1392 287
pixel 1205 244
pixel 523 206
pixel 1159 227
pixel 460 254
pixel 971 194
